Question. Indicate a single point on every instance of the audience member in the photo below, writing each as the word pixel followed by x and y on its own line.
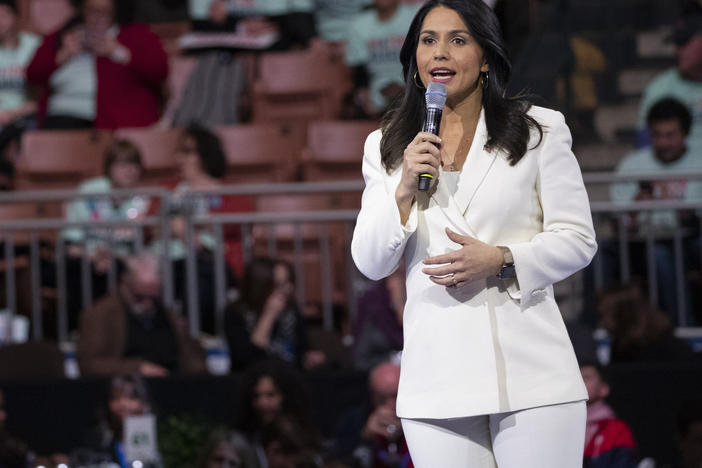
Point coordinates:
pixel 227 449
pixel 16 50
pixel 378 327
pixel 669 124
pixel 683 82
pixel 609 442
pixel 266 321
pixel 288 445
pixel 13 453
pixel 130 331
pixel 126 397
pixel 374 435
pixel 334 17
pixel 639 332
pixel 122 170
pixel 292 22
pixel 374 41
pixel 202 165
pixel 100 69
pixel 271 391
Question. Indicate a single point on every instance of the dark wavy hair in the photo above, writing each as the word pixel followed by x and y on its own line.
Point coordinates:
pixel 209 149
pixel 124 10
pixel 508 123
pixel 670 109
pixel 259 281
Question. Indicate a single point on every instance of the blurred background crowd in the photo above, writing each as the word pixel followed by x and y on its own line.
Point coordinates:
pixel 178 184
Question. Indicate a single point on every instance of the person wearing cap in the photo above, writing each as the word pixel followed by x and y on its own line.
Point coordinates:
pixel 683 82
pixel 16 50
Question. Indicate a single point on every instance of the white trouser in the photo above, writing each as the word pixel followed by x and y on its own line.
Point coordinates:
pixel 543 437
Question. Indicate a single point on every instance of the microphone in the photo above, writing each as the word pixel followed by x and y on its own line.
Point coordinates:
pixel 435 98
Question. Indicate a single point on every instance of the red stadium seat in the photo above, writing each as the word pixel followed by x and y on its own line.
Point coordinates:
pixel 261 152
pixel 299 86
pixel 60 158
pixel 157 147
pixel 335 150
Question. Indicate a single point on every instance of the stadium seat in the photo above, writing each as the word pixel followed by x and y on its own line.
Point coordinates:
pixel 157 147
pixel 261 152
pixel 335 150
pixel 60 158
pixel 299 86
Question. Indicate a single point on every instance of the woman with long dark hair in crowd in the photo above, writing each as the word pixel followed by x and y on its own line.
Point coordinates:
pixel 126 397
pixel 202 164
pixel 639 331
pixel 266 322
pixel 274 394
pixel 489 377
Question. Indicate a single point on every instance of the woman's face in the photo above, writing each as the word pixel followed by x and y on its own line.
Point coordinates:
pixel 282 281
pixel 99 14
pixel 125 174
pixel 8 21
pixel 123 403
pixel 267 400
pixel 447 53
pixel 188 159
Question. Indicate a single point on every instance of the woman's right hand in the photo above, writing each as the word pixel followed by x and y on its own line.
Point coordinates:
pixel 422 156
pixel 71 45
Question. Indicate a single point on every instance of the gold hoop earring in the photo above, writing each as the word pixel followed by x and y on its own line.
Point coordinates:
pixel 485 80
pixel 416 83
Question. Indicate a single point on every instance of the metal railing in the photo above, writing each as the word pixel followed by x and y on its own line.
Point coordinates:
pixel 328 246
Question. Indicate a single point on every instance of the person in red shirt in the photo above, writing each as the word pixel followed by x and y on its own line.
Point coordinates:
pixel 100 69
pixel 609 442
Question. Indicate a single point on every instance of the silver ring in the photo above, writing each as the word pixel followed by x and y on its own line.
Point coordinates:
pixel 452 275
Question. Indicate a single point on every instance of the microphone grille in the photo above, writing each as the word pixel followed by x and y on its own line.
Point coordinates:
pixel 435 96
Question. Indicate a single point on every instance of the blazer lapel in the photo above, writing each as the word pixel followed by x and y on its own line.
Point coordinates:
pixel 477 165
pixel 446 201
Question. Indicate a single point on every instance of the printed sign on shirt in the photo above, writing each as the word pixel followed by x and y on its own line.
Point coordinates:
pixel 140 438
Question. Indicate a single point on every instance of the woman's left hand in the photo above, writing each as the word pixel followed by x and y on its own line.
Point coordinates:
pixel 474 261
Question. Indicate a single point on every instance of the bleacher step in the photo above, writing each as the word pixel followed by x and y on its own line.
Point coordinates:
pixel 620 116
pixel 653 44
pixel 600 157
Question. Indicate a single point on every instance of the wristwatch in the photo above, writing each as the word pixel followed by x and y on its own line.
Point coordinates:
pixel 507 270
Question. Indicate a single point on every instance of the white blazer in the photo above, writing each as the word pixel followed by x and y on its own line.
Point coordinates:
pixel 490 346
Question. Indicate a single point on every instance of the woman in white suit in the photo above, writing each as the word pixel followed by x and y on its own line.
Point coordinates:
pixel 489 377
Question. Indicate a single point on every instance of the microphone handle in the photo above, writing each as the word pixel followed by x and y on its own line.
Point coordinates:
pixel 431 125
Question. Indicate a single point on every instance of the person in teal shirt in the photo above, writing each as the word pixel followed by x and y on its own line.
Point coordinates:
pixel 16 51
pixel 683 82
pixel 373 51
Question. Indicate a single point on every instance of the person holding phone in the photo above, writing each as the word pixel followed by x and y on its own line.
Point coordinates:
pixel 99 70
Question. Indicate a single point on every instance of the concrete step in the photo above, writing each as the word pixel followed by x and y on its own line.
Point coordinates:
pixel 609 118
pixel 653 44
pixel 600 157
pixel 633 82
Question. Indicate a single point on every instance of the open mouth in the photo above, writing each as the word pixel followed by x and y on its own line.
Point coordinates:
pixel 442 74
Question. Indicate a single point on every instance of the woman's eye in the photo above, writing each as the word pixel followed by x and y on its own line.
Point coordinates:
pixel 428 40
pixel 459 40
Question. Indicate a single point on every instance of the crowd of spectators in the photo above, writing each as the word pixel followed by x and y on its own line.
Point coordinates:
pixel 104 70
